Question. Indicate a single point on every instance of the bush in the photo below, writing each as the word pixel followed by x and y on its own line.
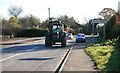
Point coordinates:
pixel 32 33
pixel 106 55
pixel 100 54
pixel 114 61
pixel 112 29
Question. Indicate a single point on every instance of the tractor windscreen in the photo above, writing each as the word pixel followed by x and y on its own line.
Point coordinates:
pixel 56 28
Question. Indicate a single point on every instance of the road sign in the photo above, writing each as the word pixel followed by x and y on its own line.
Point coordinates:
pixel 98 21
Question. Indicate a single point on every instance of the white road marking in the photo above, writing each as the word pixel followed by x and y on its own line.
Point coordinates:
pixel 17 54
pixel 31 49
pixel 10 57
pixel 66 58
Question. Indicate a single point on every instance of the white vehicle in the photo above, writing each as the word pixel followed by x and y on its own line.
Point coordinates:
pixel 80 38
pixel 70 36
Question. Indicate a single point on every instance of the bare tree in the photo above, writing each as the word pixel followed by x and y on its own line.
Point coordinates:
pixel 34 21
pixel 107 13
pixel 86 19
pixel 15 10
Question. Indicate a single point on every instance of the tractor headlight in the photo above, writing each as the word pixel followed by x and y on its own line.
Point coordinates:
pixel 57 33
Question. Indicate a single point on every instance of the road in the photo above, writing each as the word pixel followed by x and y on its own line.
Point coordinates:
pixel 34 56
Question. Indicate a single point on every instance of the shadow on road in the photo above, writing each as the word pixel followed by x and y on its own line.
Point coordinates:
pixel 35 59
pixel 23 48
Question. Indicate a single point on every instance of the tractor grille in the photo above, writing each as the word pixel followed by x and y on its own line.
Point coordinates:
pixel 55 36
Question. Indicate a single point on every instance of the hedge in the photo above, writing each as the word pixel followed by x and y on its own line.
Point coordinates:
pixel 32 33
pixel 111 29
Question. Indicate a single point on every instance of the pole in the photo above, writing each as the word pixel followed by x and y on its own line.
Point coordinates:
pixel 92 32
pixel 104 33
pixel 49 12
pixel 97 29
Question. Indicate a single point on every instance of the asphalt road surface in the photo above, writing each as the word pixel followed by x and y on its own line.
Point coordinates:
pixel 34 56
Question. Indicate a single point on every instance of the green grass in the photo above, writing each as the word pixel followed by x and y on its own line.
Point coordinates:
pixel 105 55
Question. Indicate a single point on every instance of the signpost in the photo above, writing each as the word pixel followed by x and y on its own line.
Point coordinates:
pixel 99 21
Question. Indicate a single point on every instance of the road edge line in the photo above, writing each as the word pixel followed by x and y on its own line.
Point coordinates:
pixel 64 59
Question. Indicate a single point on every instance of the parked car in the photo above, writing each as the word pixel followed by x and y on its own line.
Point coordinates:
pixel 70 36
pixel 80 38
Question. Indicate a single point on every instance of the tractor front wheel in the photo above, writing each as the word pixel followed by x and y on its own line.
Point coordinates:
pixel 63 41
pixel 47 42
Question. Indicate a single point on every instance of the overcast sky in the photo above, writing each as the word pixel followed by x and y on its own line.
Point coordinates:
pixel 79 9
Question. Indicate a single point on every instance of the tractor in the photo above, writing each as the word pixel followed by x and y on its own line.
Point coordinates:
pixel 56 33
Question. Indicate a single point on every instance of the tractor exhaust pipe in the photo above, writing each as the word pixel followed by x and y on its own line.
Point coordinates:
pixel 49 12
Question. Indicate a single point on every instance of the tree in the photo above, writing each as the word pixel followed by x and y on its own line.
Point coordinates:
pixel 64 19
pixel 34 21
pixel 112 28
pixel 6 27
pixel 15 11
pixel 15 26
pixel 107 13
pixel 14 21
pixel 45 24
pixel 29 22
pixel 25 22
pixel 86 20
pixel 71 23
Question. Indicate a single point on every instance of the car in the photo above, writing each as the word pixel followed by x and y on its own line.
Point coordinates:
pixel 70 36
pixel 80 38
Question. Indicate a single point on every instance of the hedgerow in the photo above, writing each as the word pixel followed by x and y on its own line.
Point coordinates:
pixel 32 33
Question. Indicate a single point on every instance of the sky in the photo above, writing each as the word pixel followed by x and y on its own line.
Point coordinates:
pixel 79 9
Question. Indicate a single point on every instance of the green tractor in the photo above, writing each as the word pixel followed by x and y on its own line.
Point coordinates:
pixel 56 33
